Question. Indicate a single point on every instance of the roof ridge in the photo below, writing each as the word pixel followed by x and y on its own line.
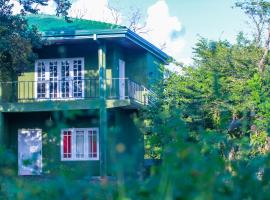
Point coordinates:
pixel 74 19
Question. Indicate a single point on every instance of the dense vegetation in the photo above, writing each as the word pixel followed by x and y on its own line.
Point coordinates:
pixel 209 125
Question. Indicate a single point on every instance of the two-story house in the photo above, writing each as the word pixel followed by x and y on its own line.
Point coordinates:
pixel 72 111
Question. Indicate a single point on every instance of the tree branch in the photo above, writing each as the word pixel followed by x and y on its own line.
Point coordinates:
pixel 261 64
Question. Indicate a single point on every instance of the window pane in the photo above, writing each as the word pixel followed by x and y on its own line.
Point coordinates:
pixel 53 79
pixel 67 144
pixel 77 79
pixel 92 138
pixel 79 144
pixel 65 79
pixel 41 92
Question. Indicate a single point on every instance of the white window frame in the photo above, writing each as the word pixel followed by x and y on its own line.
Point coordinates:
pixel 73 144
pixel 47 78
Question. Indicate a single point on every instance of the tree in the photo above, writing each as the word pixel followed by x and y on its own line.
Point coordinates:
pixel 17 38
pixel 135 20
pixel 258 12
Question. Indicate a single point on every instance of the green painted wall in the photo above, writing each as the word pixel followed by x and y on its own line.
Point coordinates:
pixel 126 144
pixel 143 67
pixel 136 66
pixel 154 71
pixel 51 125
pixel 122 133
pixel 26 85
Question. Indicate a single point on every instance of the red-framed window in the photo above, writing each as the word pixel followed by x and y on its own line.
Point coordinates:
pixel 92 139
pixel 67 144
pixel 79 144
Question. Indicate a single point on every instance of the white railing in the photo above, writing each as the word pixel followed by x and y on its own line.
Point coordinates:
pixel 139 93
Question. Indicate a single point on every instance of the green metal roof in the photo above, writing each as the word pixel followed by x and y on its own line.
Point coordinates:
pixel 57 28
pixel 50 23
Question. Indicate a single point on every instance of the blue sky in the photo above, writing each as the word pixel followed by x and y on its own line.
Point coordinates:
pixel 213 19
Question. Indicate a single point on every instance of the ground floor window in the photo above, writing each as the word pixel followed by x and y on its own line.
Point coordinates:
pixel 80 144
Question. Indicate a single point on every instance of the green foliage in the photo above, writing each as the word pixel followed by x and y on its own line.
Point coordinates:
pixel 258 12
pixel 212 124
pixel 16 44
pixel 255 7
pixel 17 39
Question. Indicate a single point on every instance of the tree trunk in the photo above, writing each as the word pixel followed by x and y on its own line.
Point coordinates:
pixel 261 64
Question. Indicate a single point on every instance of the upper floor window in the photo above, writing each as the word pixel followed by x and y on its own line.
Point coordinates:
pixel 80 144
pixel 59 78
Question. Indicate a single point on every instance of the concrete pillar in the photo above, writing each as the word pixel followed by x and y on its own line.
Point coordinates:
pixel 103 124
pixel 2 130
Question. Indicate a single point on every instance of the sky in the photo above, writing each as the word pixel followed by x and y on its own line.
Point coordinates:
pixel 174 25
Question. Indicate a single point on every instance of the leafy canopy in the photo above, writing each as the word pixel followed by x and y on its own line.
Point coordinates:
pixel 17 38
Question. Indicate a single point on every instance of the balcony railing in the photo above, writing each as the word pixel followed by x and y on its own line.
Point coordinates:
pixel 30 91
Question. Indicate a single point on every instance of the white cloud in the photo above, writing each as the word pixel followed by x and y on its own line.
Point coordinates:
pixel 163 30
pixel 16 6
pixel 49 9
pixel 92 9
pixel 87 9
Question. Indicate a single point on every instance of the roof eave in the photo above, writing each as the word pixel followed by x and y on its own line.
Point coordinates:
pixel 117 33
pixel 148 46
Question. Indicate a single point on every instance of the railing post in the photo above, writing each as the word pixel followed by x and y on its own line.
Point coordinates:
pixel 1 92
pixel 147 96
pixel 103 132
pixel 128 88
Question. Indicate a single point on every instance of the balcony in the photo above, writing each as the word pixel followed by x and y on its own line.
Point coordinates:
pixel 74 94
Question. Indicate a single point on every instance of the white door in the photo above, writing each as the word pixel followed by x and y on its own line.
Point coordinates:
pixel 29 152
pixel 122 80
